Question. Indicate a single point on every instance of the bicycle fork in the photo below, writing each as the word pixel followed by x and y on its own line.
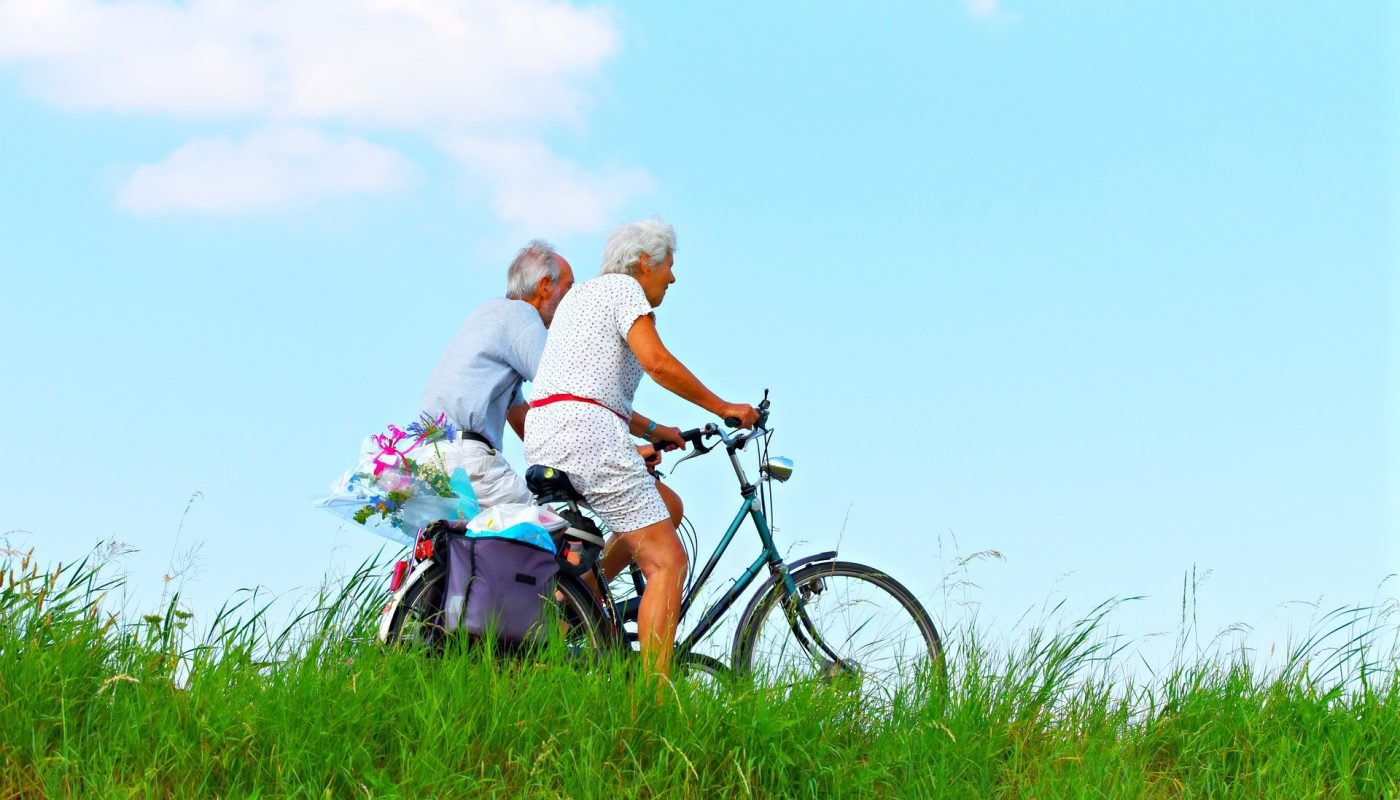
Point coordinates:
pixel 794 606
pixel 804 630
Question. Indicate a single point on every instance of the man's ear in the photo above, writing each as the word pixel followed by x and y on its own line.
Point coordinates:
pixel 542 288
pixel 644 260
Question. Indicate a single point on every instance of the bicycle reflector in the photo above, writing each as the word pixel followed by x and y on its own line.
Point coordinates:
pixel 396 579
pixel 423 550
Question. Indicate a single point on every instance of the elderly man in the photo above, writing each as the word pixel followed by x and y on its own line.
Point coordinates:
pixel 477 382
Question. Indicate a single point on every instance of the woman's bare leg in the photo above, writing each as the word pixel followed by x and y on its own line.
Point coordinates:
pixel 673 503
pixel 659 553
pixel 618 554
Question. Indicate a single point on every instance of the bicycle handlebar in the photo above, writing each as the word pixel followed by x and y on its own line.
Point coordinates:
pixel 733 440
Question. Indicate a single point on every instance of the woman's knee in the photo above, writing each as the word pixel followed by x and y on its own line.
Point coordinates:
pixel 657 548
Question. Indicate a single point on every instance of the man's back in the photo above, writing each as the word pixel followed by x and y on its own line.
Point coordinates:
pixel 478 377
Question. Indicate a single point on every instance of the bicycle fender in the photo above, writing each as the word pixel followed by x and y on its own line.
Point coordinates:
pixel 829 555
pixel 386 617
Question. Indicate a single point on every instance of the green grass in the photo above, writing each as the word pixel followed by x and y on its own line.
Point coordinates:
pixel 94 706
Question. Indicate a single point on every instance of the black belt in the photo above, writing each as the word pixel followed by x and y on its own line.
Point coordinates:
pixel 475 437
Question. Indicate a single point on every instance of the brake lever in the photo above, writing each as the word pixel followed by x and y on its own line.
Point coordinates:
pixel 692 454
pixel 696 438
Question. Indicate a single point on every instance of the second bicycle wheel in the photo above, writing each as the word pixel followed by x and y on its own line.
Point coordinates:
pixel 861 628
pixel 418 620
pixel 571 622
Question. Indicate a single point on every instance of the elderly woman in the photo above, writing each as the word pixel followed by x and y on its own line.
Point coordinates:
pixel 581 420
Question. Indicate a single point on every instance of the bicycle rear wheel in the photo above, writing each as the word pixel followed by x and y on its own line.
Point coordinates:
pixel 701 669
pixel 571 621
pixel 861 627
pixel 418 621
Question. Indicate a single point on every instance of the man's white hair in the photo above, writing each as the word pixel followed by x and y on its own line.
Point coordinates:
pixel 625 246
pixel 534 261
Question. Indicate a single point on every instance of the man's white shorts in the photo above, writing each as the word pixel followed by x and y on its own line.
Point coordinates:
pixel 492 478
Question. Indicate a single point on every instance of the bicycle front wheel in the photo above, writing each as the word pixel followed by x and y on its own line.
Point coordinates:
pixel 849 624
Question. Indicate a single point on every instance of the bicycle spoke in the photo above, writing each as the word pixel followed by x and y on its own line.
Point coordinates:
pixel 883 642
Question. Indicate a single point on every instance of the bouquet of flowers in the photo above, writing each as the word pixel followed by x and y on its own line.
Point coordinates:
pixel 393 494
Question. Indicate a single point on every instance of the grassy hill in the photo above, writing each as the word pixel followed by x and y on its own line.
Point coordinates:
pixel 94 706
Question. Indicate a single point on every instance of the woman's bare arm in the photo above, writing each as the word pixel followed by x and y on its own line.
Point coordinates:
pixel 671 374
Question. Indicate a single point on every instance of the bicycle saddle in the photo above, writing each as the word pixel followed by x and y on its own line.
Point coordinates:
pixel 550 485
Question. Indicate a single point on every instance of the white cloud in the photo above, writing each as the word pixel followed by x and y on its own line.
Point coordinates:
pixel 983 8
pixel 399 63
pixel 499 70
pixel 536 190
pixel 270 169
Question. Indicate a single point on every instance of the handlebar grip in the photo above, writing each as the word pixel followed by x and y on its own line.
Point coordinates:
pixel 732 422
pixel 694 435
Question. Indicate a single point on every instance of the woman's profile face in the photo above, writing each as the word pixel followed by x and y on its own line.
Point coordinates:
pixel 655 280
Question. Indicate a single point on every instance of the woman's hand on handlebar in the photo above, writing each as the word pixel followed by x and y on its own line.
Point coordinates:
pixel 744 414
pixel 650 455
pixel 667 438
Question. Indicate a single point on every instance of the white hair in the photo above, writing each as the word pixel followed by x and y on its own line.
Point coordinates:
pixel 625 246
pixel 534 261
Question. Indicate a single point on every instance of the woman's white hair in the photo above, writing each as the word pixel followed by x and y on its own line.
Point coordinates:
pixel 534 261
pixel 625 246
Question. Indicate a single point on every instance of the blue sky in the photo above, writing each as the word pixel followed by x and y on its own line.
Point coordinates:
pixel 1108 289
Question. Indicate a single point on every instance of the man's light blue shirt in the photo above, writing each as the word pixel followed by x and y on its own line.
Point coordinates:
pixel 479 377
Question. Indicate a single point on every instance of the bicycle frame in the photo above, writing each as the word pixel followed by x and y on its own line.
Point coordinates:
pixel 769 557
pixel 753 508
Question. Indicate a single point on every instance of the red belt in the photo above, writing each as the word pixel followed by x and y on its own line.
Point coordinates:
pixel 557 398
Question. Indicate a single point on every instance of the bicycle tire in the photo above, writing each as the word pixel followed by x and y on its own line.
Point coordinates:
pixel 583 633
pixel 703 667
pixel 418 621
pixel 875 626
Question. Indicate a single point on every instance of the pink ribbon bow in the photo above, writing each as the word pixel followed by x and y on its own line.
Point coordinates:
pixel 390 456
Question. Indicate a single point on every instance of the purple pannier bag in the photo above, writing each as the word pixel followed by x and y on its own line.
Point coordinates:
pixel 497 585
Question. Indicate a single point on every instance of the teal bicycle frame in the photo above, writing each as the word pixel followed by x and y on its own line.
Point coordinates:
pixel 768 557
pixel 780 571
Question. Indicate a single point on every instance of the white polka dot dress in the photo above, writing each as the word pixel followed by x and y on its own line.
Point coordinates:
pixel 586 355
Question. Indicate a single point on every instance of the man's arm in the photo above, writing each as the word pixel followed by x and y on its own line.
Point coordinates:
pixel 527 345
pixel 515 415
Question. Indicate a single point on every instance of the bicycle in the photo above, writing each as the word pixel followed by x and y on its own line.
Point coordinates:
pixel 815 617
